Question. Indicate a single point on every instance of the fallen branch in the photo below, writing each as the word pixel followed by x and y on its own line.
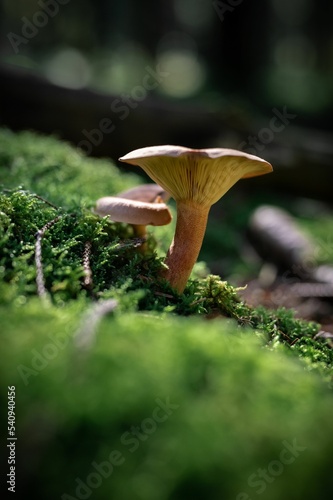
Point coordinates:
pixel 40 282
pixel 86 334
pixel 87 281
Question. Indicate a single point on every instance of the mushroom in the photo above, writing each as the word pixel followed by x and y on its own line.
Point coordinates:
pixel 150 193
pixel 196 179
pixel 128 208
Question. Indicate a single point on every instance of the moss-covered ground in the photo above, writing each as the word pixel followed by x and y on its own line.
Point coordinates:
pixel 126 390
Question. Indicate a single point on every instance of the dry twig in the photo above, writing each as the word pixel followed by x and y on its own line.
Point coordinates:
pixel 85 336
pixel 41 290
pixel 87 281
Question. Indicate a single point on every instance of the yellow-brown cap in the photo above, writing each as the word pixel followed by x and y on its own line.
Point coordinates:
pixel 201 176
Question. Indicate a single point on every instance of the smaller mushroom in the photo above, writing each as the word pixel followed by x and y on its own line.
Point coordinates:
pixel 128 208
pixel 150 193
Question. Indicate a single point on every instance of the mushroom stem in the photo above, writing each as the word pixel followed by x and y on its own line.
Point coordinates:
pixel 186 244
pixel 140 231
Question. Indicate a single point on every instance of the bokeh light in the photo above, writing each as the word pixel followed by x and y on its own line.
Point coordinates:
pixel 68 68
pixel 177 55
pixel 124 67
pixel 195 16
pixel 292 13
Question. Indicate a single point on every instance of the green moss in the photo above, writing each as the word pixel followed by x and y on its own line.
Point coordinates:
pixel 57 171
pixel 297 337
pixel 234 407
pixel 321 236
pixel 118 269
pixel 245 381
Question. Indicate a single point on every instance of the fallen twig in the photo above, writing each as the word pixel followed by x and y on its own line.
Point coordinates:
pixel 40 282
pixel 87 281
pixel 45 201
pixel 85 335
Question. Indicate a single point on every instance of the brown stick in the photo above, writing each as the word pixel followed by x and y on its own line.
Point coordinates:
pixel 87 281
pixel 41 290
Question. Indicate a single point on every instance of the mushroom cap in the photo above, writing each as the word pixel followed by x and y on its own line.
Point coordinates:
pixel 201 176
pixel 133 212
pixel 145 192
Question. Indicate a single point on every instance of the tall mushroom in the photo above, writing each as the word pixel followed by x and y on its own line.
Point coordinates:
pixel 196 179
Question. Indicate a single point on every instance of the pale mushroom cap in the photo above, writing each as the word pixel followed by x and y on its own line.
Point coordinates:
pixel 145 192
pixel 133 212
pixel 201 176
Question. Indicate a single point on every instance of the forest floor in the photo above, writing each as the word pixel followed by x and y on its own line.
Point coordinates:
pixel 93 341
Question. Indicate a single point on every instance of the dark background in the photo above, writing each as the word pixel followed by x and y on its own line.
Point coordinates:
pixel 229 64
